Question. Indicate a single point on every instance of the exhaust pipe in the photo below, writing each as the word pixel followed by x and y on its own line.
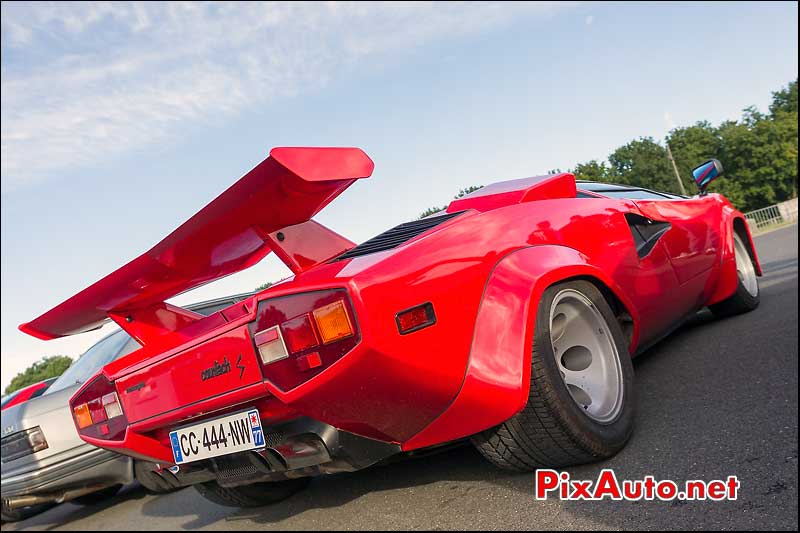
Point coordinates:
pixel 17 502
pixel 297 454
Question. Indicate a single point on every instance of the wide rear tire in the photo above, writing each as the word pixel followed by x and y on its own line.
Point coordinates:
pixel 747 296
pixel 254 495
pixel 558 427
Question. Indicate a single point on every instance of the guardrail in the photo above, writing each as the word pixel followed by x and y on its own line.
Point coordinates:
pixel 774 216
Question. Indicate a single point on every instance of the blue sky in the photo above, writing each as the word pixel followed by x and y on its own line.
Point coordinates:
pixel 119 121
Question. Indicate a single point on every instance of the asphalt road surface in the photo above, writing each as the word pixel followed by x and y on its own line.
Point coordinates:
pixel 718 397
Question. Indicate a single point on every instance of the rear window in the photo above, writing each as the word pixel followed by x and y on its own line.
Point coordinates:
pixel 90 362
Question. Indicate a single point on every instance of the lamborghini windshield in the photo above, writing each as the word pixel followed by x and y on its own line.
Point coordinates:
pixel 630 192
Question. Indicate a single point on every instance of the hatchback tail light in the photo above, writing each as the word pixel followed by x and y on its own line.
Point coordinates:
pixel 22 443
pixel 300 335
pixel 97 410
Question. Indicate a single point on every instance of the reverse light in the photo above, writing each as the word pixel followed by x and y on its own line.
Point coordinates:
pixel 111 405
pixel 271 346
pixel 415 319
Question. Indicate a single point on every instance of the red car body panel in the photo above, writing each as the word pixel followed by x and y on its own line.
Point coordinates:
pixel 483 270
pixel 160 378
pixel 26 393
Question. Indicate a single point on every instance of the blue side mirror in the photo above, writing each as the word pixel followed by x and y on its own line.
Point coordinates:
pixel 706 173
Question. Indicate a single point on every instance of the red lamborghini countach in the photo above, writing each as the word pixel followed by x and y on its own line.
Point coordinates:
pixel 509 319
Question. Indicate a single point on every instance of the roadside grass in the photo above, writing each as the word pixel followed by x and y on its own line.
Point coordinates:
pixel 771 227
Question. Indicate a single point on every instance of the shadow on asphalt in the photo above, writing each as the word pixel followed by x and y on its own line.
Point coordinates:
pixel 718 397
pixel 79 512
pixel 459 465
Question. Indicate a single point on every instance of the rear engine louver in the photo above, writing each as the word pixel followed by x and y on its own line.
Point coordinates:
pixel 397 235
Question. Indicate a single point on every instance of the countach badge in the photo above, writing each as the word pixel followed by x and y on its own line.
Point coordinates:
pixel 216 370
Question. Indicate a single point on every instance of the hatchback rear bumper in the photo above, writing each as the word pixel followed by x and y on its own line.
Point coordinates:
pixel 94 469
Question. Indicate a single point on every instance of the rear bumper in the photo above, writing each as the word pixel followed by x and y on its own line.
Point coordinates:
pixel 93 467
pixel 303 447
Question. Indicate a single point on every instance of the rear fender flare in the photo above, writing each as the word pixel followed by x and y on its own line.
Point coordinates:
pixel 497 378
pixel 741 227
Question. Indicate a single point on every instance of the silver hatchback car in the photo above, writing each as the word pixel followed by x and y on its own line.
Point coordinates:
pixel 44 462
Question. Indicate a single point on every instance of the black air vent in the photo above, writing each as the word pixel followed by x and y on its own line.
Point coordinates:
pixel 397 235
pixel 646 232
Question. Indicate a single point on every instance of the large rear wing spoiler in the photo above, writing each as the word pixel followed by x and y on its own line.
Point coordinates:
pixel 269 209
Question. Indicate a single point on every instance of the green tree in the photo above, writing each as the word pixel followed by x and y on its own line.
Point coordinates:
pixel 692 146
pixel 785 100
pixel 468 190
pixel 263 286
pixel 643 162
pixel 592 171
pixel 760 160
pixel 430 211
pixel 461 194
pixel 758 152
pixel 46 368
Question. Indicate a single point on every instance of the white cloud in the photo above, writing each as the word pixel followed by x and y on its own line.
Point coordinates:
pixel 589 20
pixel 81 82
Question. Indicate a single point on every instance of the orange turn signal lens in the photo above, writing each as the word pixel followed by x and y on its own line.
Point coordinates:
pixel 82 416
pixel 332 322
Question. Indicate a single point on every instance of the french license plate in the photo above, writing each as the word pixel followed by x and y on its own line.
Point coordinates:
pixel 229 434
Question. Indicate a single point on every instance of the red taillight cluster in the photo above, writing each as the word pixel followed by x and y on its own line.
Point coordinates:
pixel 97 410
pixel 300 335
